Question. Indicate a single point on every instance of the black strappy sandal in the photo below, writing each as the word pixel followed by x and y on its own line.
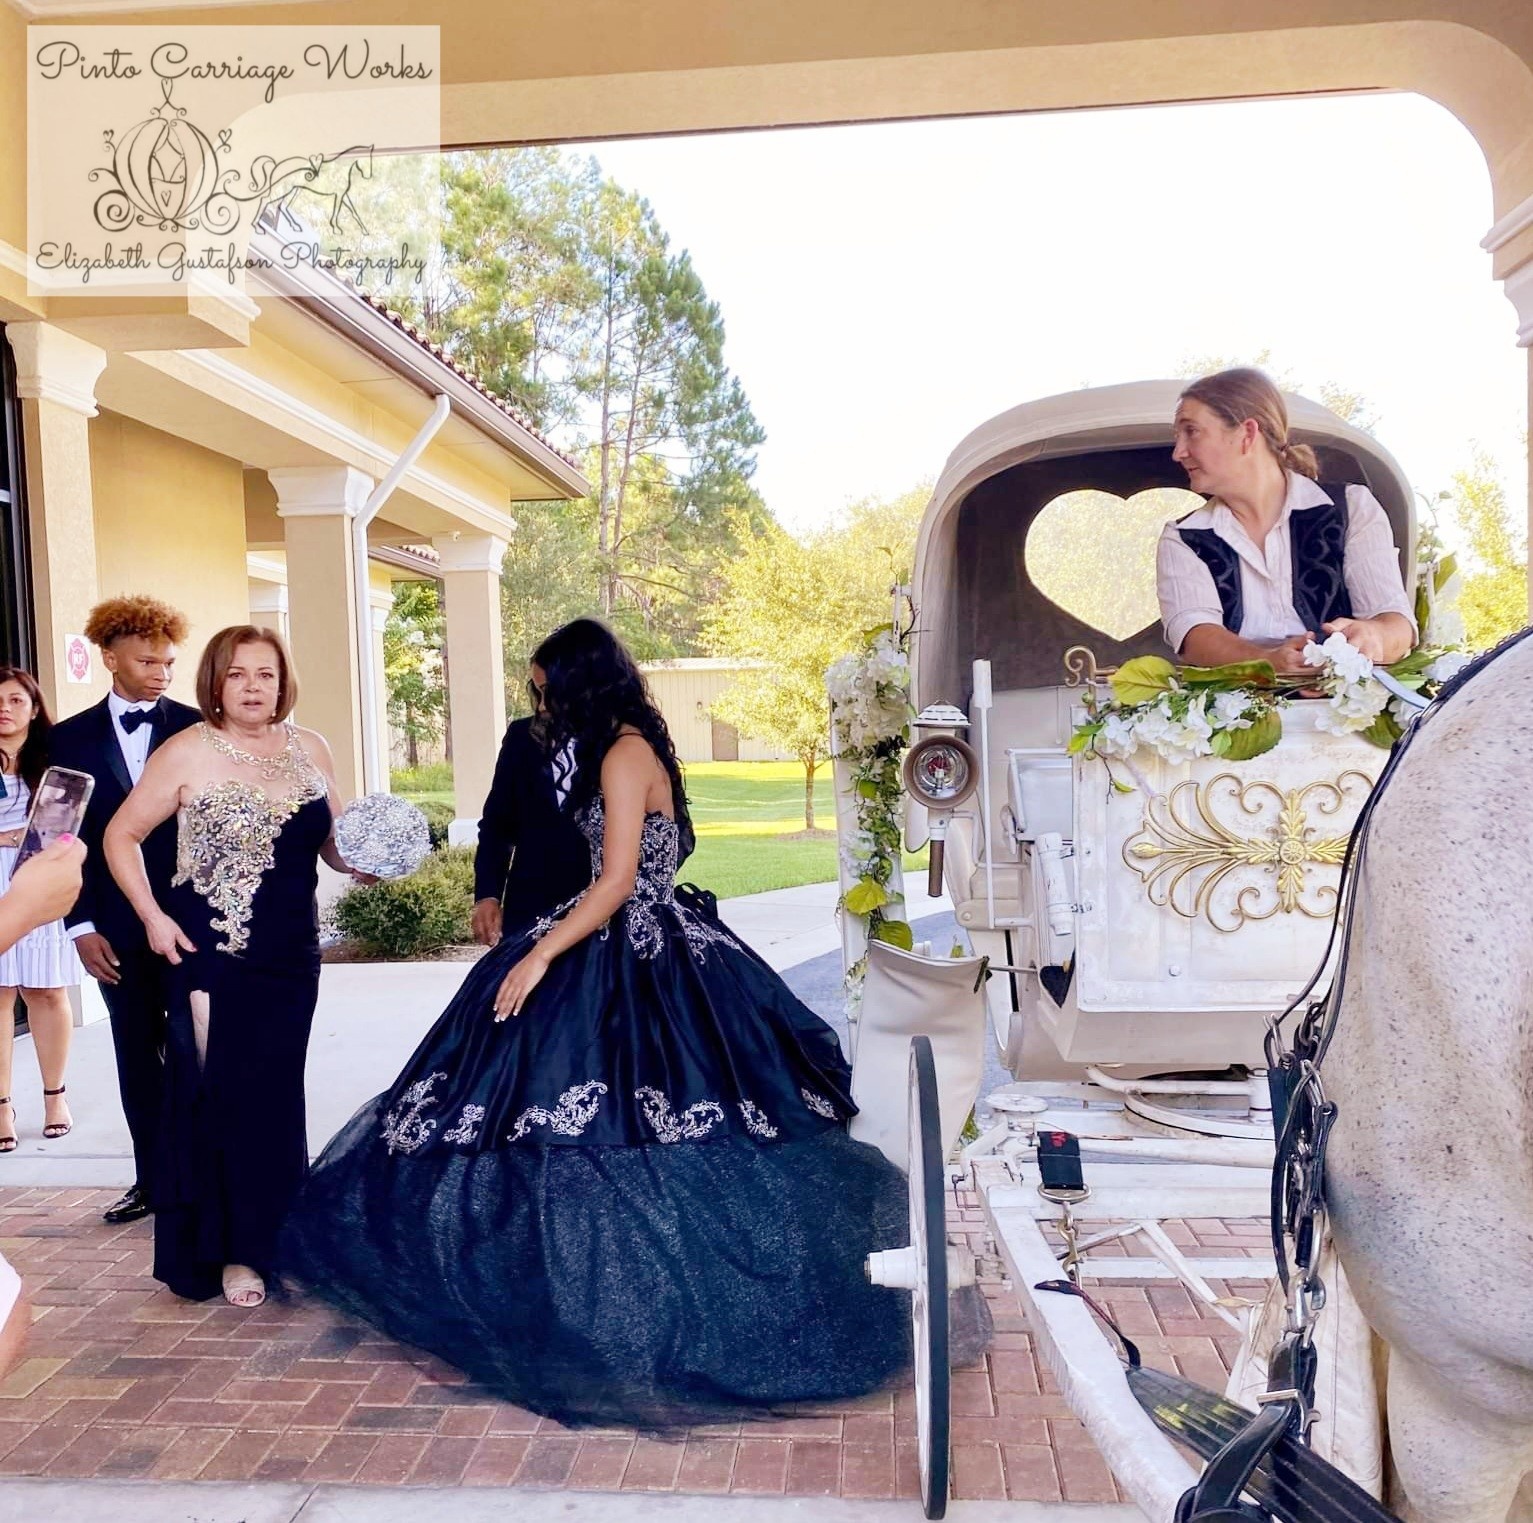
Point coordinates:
pixel 8 1144
pixel 56 1129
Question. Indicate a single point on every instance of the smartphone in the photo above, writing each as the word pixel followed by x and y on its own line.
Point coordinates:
pixel 58 808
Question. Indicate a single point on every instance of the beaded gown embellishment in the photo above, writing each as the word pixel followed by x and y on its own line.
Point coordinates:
pixel 647 922
pixel 654 890
pixel 227 834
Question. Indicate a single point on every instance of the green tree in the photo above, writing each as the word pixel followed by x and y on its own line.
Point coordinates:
pixel 515 239
pixel 1348 405
pixel 560 290
pixel 779 610
pixel 413 637
pixel 547 578
pixel 1494 599
pixel 675 437
pixel 792 607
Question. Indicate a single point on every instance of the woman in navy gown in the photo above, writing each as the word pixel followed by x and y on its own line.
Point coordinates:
pixel 614 1183
pixel 254 796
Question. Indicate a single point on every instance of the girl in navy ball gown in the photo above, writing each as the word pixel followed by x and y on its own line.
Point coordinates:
pixel 614 1182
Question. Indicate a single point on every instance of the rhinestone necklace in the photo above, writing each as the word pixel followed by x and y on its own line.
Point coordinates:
pixel 286 762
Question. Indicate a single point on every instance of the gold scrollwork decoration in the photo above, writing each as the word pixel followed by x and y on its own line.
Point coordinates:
pixel 1081 667
pixel 1183 851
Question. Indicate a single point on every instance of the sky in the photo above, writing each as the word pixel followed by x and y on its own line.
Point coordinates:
pixel 887 288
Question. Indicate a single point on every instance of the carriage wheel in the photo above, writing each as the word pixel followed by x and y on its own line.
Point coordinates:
pixel 929 1299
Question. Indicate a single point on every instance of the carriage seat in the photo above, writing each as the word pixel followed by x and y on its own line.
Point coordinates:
pixel 1030 786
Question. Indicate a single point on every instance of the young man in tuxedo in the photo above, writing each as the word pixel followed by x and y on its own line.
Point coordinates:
pixel 531 855
pixel 137 638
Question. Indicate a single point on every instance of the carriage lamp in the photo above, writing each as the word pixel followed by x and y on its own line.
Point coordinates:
pixel 941 772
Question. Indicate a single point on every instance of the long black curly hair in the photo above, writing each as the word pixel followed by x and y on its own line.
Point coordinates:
pixel 593 688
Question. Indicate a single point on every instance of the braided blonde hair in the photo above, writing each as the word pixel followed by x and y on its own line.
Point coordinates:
pixel 1235 395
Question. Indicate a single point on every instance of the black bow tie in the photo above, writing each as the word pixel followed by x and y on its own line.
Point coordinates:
pixel 131 719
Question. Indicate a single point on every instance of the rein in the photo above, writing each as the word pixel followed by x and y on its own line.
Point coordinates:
pixel 1303 1117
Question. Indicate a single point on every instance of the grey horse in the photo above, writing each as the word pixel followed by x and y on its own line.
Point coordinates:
pixel 1430 1174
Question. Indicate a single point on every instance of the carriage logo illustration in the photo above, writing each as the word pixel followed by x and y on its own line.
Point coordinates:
pixel 168 174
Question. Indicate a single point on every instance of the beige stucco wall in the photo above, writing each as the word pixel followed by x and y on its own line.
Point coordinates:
pixel 170 522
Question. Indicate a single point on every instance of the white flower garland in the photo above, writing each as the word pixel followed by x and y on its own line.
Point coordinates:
pixel 870 694
pixel 870 720
pixel 1183 713
pixel 1356 698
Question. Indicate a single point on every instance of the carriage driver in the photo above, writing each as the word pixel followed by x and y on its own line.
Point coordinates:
pixel 1275 558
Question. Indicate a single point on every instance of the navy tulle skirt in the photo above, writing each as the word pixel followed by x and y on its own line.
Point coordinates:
pixel 636 1203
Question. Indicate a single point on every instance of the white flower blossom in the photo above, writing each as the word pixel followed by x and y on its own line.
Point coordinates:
pixel 1347 663
pixel 1447 665
pixel 1352 708
pixel 869 694
pixel 1158 728
pixel 1117 737
pixel 1229 711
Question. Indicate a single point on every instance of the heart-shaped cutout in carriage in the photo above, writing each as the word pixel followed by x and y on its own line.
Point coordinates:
pixel 1093 554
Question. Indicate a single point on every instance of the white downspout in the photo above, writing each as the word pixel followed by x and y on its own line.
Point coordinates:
pixel 375 776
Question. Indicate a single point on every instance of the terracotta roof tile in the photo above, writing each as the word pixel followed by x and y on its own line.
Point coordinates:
pixel 410 330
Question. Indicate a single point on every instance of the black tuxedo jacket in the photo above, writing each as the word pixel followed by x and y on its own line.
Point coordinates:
pixel 531 854
pixel 88 742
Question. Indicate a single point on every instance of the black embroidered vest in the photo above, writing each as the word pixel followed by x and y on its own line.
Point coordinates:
pixel 1317 539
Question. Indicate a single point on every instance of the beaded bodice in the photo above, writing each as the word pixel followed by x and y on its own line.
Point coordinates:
pixel 227 836
pixel 653 901
pixel 659 850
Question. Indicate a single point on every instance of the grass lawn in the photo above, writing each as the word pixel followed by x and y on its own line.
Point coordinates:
pixel 427 796
pixel 750 821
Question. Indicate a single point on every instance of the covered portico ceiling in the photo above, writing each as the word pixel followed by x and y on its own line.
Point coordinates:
pixel 570 70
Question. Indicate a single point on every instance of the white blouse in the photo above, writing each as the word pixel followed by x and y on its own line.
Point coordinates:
pixel 1188 596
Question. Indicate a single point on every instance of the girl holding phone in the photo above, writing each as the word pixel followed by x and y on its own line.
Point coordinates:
pixel 43 965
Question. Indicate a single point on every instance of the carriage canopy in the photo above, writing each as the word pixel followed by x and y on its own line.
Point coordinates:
pixel 990 540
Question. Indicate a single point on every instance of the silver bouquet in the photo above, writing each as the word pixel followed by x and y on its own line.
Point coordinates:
pixel 383 835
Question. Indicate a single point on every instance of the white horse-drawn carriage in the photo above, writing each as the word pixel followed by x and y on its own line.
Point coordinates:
pixel 1130 945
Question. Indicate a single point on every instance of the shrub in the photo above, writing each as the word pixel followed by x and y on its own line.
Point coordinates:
pixel 404 917
pixel 455 865
pixel 438 817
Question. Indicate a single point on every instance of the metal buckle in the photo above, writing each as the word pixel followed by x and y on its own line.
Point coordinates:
pixel 1061 1197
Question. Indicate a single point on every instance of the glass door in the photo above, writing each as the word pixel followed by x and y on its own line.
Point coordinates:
pixel 16 637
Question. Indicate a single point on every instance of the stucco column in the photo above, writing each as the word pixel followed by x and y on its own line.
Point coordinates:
pixel 268 607
pixel 317 505
pixel 476 674
pixel 56 376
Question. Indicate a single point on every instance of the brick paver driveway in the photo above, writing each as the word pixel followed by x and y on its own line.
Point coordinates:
pixel 122 1379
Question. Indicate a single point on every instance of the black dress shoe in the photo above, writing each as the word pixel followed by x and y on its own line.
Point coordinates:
pixel 130 1208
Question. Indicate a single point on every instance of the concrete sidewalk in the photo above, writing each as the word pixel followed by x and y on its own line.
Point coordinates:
pixel 789 926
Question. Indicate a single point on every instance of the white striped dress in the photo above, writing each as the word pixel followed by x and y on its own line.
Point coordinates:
pixel 44 958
